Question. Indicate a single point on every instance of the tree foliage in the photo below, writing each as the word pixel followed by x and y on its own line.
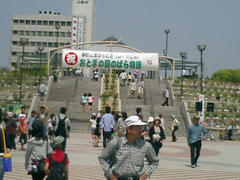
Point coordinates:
pixel 228 75
pixel 112 38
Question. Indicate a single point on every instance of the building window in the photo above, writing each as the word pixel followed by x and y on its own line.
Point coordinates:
pixel 62 44
pixel 38 44
pixel 62 34
pixel 45 33
pixel 68 43
pixel 50 33
pixel 57 22
pixel 27 33
pixel 33 33
pixel 14 53
pixel 32 44
pixel 31 54
pixel 21 21
pixel 33 22
pixel 55 44
pixel 39 33
pixel 50 44
pixel 15 32
pixel 15 21
pixel 69 23
pixel 21 33
pixel 51 23
pixel 14 43
pixel 69 34
pixel 63 23
pixel 45 22
pixel 27 21
pixel 39 22
pixel 44 44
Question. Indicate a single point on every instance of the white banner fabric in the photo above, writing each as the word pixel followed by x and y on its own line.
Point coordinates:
pixel 113 60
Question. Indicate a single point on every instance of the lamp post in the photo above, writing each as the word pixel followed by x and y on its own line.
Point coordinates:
pixel 201 48
pixel 57 26
pixel 183 56
pixel 23 42
pixel 40 50
pixel 167 31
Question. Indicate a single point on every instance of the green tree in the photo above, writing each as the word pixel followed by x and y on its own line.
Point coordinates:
pixel 228 75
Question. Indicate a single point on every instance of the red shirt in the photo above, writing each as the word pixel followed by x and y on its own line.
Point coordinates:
pixel 23 127
pixel 57 156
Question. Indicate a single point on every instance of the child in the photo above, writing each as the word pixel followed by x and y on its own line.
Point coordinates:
pixel 57 162
pixel 23 130
pixel 90 101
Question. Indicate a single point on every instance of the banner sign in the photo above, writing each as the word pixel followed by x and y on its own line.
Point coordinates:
pixel 113 60
pixel 77 31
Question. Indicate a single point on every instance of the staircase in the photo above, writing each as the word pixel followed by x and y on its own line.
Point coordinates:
pixel 154 97
pixel 67 92
pixel 130 104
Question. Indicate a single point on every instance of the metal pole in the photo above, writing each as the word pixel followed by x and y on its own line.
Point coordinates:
pixel 57 36
pixel 182 79
pixel 201 85
pixel 166 51
pixel 40 70
pixel 21 74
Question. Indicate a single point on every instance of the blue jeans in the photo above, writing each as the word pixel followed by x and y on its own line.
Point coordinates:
pixel 1 168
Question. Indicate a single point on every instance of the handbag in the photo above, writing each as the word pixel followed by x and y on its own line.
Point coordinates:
pixel 7 158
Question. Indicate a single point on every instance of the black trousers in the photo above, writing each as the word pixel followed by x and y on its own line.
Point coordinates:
pixel 174 138
pixel 156 146
pixel 106 137
pixel 38 176
pixel 165 102
pixel 195 151
pixel 12 138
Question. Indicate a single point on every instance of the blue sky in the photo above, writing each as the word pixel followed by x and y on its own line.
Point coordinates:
pixel 141 24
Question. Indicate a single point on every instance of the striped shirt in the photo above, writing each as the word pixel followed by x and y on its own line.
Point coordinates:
pixel 128 159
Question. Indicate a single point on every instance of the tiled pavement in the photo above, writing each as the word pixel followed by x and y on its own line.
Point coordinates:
pixel 218 160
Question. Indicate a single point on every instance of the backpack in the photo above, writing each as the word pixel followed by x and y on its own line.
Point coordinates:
pixel 61 130
pixel 58 170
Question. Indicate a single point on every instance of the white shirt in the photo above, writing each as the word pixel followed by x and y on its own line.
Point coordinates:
pixel 93 123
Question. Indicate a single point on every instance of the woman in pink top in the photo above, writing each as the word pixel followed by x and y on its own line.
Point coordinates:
pixel 90 101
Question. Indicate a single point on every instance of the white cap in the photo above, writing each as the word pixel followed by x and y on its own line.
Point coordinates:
pixel 134 120
pixel 173 116
pixel 150 119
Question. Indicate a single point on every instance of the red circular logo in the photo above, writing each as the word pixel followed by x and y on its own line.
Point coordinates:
pixel 71 58
pixel 149 61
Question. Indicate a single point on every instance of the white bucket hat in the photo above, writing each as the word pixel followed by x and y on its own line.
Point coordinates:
pixel 150 119
pixel 134 121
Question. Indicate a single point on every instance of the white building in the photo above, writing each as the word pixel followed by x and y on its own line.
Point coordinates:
pixel 50 30
pixel 40 30
pixel 85 9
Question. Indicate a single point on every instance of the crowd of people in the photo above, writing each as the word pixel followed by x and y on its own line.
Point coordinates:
pixel 135 83
pixel 43 137
pixel 127 141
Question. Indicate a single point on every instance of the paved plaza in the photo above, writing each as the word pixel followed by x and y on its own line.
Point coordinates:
pixel 218 160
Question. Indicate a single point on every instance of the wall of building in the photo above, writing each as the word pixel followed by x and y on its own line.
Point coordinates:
pixel 87 10
pixel 40 30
